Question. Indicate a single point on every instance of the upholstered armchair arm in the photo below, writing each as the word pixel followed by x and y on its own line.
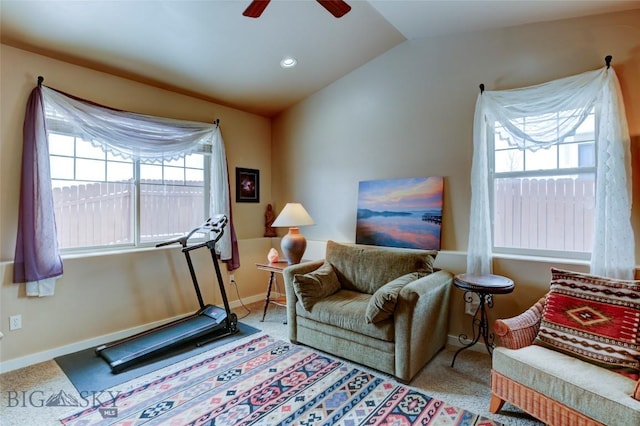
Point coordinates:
pixel 288 274
pixel 521 330
pixel 421 321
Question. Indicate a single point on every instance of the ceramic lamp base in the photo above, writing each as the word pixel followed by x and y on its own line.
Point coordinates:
pixel 293 245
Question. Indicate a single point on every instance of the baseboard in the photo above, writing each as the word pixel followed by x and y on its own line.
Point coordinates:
pixel 248 301
pixel 31 359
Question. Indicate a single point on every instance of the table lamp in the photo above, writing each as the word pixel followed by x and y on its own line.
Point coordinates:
pixel 293 244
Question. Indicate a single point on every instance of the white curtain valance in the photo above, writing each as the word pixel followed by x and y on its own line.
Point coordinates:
pixel 522 118
pixel 126 134
pixel 539 116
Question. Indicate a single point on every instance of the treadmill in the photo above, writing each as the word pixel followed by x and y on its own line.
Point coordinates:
pixel 209 323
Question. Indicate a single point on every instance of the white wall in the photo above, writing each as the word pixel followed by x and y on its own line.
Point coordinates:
pixel 409 113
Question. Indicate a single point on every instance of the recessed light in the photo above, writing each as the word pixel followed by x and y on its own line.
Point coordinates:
pixel 288 62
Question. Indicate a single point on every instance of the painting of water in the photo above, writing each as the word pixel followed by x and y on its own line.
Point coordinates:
pixel 400 212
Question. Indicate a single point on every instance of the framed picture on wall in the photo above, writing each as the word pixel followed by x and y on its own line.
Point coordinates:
pixel 247 185
pixel 400 212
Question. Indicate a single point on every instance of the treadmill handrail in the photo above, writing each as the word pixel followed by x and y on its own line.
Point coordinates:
pixel 213 224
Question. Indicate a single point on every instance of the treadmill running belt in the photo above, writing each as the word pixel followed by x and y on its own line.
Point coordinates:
pixel 122 355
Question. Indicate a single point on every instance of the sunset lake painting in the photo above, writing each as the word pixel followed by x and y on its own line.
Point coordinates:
pixel 400 212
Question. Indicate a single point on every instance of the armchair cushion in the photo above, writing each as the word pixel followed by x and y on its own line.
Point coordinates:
pixel 355 271
pixel 383 302
pixel 344 310
pixel 544 382
pixel 315 285
pixel 593 318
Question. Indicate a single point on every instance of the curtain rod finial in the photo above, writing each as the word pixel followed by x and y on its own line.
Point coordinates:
pixel 607 60
pixel 481 88
pixel 40 80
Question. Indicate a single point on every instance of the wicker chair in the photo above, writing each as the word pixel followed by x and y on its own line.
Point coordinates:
pixel 519 332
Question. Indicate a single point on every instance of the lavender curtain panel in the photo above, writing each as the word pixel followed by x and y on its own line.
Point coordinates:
pixel 233 262
pixel 37 257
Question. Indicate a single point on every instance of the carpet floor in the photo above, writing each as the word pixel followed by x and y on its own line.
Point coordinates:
pixel 271 382
pixel 25 391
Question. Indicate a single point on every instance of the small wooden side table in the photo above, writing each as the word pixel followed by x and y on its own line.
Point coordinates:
pixel 274 268
pixel 485 286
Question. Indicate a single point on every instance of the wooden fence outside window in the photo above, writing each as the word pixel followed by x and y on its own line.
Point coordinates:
pixel 99 214
pixel 547 214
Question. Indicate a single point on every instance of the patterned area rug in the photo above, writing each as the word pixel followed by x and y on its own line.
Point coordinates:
pixel 270 382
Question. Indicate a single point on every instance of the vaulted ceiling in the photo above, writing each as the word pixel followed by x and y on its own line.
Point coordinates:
pixel 208 49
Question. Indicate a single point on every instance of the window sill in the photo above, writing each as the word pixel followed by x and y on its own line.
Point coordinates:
pixel 112 252
pixel 541 259
pixel 100 253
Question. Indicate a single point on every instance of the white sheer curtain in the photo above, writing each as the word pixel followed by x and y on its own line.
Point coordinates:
pixel 613 252
pixel 129 135
pixel 148 138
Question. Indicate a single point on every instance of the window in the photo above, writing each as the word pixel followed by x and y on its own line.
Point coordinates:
pixel 543 200
pixel 37 259
pixel 547 114
pixel 102 200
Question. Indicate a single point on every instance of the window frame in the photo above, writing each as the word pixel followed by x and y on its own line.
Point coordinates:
pixel 58 126
pixel 493 175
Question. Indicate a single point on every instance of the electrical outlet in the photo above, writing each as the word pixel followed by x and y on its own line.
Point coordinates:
pixel 470 307
pixel 15 322
pixel 232 279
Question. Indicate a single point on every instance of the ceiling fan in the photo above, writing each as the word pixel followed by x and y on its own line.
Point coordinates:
pixel 337 8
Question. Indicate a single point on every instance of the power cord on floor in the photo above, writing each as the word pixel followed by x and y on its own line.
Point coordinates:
pixel 233 282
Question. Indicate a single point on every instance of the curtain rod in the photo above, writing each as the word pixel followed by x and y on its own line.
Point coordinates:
pixel 41 79
pixel 607 61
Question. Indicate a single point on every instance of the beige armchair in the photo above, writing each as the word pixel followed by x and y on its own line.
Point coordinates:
pixel 383 308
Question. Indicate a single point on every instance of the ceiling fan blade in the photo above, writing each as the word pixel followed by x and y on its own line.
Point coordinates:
pixel 337 8
pixel 256 8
